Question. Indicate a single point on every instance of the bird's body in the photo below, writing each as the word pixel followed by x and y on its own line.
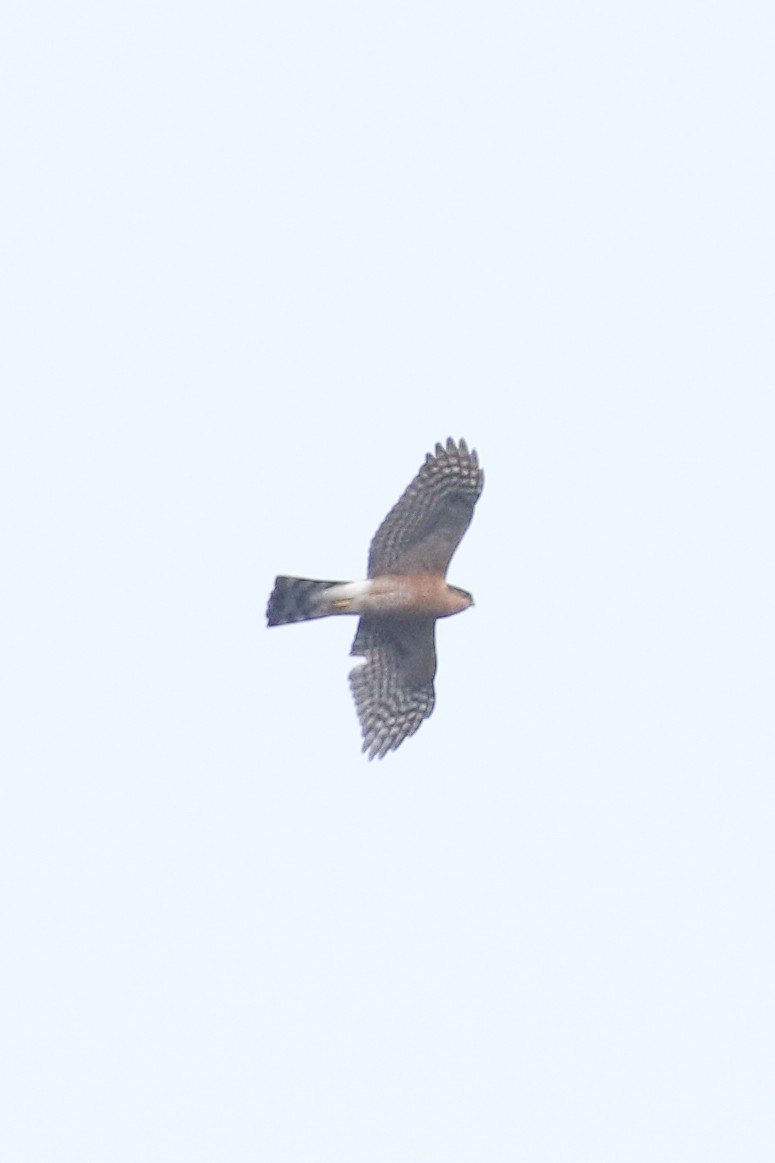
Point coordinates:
pixel 399 602
pixel 298 599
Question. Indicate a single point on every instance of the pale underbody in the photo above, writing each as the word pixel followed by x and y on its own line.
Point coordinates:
pixel 407 595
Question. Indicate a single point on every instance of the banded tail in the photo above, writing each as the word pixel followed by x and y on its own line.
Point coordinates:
pixel 297 599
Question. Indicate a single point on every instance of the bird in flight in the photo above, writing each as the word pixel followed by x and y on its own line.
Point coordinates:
pixel 399 602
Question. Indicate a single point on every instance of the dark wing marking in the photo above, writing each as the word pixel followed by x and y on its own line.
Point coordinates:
pixel 423 530
pixel 393 689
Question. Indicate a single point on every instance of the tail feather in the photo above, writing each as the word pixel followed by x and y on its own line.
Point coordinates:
pixel 297 599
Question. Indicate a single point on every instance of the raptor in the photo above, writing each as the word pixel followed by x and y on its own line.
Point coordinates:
pixel 401 599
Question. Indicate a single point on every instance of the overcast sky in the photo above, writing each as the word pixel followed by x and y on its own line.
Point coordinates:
pixel 256 260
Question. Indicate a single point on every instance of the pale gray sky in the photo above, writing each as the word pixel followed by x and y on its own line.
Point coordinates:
pixel 256 260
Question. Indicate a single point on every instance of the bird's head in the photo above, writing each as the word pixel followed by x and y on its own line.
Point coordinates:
pixel 466 598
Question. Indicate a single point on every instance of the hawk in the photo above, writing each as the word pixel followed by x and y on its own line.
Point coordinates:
pixel 399 602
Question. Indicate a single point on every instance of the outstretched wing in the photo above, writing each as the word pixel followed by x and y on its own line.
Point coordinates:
pixel 423 530
pixel 393 689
